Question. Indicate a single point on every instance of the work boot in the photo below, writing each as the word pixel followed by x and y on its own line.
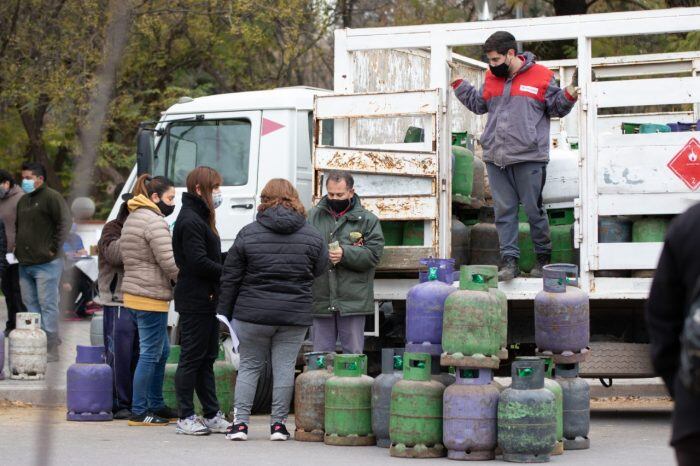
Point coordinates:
pixel 52 353
pixel 509 269
pixel 542 260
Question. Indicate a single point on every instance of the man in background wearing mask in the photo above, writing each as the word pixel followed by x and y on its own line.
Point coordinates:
pixel 520 97
pixel 10 194
pixel 43 223
pixel 344 295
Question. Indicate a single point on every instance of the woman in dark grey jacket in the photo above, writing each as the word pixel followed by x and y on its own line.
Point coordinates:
pixel 266 289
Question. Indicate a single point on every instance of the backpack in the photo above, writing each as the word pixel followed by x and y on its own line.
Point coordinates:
pixel 689 372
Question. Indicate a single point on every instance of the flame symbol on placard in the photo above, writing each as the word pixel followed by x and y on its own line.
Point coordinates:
pixel 693 157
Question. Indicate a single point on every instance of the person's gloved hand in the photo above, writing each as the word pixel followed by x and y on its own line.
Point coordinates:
pixel 573 88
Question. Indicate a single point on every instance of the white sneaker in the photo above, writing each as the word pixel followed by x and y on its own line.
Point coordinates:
pixel 218 424
pixel 191 426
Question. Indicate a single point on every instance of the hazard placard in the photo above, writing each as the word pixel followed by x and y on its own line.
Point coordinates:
pixel 686 164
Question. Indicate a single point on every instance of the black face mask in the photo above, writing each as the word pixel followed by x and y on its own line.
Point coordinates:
pixel 164 208
pixel 338 205
pixel 500 71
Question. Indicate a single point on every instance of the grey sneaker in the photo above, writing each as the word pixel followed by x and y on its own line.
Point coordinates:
pixel 218 424
pixel 509 269
pixel 191 426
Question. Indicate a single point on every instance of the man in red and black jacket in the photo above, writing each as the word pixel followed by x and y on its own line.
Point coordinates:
pixel 520 97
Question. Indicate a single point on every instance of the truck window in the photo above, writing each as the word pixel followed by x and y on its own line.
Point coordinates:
pixel 221 144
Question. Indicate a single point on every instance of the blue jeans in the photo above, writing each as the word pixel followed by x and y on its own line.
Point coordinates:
pixel 122 350
pixel 39 287
pixel 154 349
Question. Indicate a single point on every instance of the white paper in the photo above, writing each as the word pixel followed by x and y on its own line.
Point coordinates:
pixel 11 259
pixel 89 267
pixel 234 338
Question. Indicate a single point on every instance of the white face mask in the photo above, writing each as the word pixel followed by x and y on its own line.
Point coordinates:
pixel 218 199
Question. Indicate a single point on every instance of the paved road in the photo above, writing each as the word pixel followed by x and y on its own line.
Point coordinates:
pixel 633 436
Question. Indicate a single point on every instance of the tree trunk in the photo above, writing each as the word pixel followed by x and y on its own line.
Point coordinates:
pixel 32 117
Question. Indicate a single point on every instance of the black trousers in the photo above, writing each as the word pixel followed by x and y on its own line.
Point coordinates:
pixel 688 451
pixel 199 347
pixel 13 295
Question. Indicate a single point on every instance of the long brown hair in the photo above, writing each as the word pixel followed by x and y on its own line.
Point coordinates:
pixel 207 179
pixel 148 185
pixel 279 191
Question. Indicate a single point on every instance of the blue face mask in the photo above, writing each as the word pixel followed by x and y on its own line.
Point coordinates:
pixel 218 199
pixel 27 185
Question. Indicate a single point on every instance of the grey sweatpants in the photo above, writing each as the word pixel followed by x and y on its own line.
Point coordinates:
pixel 350 330
pixel 520 183
pixel 257 341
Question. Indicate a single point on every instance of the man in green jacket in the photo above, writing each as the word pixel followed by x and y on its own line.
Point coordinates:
pixel 344 295
pixel 43 222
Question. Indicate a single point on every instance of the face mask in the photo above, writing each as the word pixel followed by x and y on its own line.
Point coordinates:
pixel 27 185
pixel 164 208
pixel 338 205
pixel 3 192
pixel 500 71
pixel 218 199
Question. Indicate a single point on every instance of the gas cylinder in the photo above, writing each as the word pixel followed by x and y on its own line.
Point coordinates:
pixel 393 233
pixel 27 348
pixel 490 273
pixel 483 239
pixel 527 426
pixel 225 379
pixel 527 248
pixel 561 312
pixel 554 387
pixel 169 395
pixel 561 232
pixel 649 230
pixel 472 319
pixel 413 233
pixel 436 372
pixel 415 424
pixel 469 412
pixel 577 407
pixel 614 230
pixel 460 242
pixel 89 386
pixel 2 355
pixel 445 269
pixel 348 413
pixel 562 175
pixel 309 398
pixel 392 365
pixel 462 175
pixel 96 330
pixel 425 304
pixel 479 186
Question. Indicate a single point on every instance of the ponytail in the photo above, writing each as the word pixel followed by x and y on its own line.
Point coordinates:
pixel 148 185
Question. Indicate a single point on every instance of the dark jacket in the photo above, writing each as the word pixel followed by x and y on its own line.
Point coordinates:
pixel 348 287
pixel 269 270
pixel 43 223
pixel 197 251
pixel 519 109
pixel 110 265
pixel 8 213
pixel 669 301
pixel 3 249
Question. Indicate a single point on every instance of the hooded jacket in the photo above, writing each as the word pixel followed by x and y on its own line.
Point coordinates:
pixel 519 108
pixel 270 268
pixel 147 252
pixel 197 251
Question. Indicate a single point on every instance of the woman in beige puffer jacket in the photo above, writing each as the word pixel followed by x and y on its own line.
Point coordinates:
pixel 149 274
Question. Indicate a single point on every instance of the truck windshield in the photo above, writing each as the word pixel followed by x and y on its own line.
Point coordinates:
pixel 220 144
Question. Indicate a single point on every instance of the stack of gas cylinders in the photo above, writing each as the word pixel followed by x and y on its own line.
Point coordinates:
pixel 418 412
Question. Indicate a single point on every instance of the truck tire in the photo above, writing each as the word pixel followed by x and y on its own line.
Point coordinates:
pixel 618 360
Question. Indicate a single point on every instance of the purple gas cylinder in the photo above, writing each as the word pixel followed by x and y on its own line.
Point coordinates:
pixel 2 356
pixel 425 304
pixel 470 409
pixel 445 269
pixel 89 386
pixel 561 312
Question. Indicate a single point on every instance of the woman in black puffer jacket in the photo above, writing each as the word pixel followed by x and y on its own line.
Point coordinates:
pixel 266 288
pixel 197 251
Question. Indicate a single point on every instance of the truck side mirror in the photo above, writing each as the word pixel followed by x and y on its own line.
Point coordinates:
pixel 144 150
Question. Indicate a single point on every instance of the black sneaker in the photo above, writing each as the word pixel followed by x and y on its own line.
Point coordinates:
pixel 542 260
pixel 278 431
pixel 237 432
pixel 122 414
pixel 167 413
pixel 509 269
pixel 148 419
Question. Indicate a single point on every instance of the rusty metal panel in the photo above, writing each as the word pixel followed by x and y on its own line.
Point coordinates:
pixel 402 208
pixel 369 161
pixel 404 257
pixel 421 102
pixel 371 185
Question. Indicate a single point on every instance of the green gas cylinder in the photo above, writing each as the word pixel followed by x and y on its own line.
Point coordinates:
pixel 561 230
pixel 393 232
pixel 225 378
pixel 490 273
pixel 169 395
pixel 348 412
pixel 415 423
pixel 649 230
pixel 413 233
pixel 525 244
pixel 472 319
pixel 462 175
